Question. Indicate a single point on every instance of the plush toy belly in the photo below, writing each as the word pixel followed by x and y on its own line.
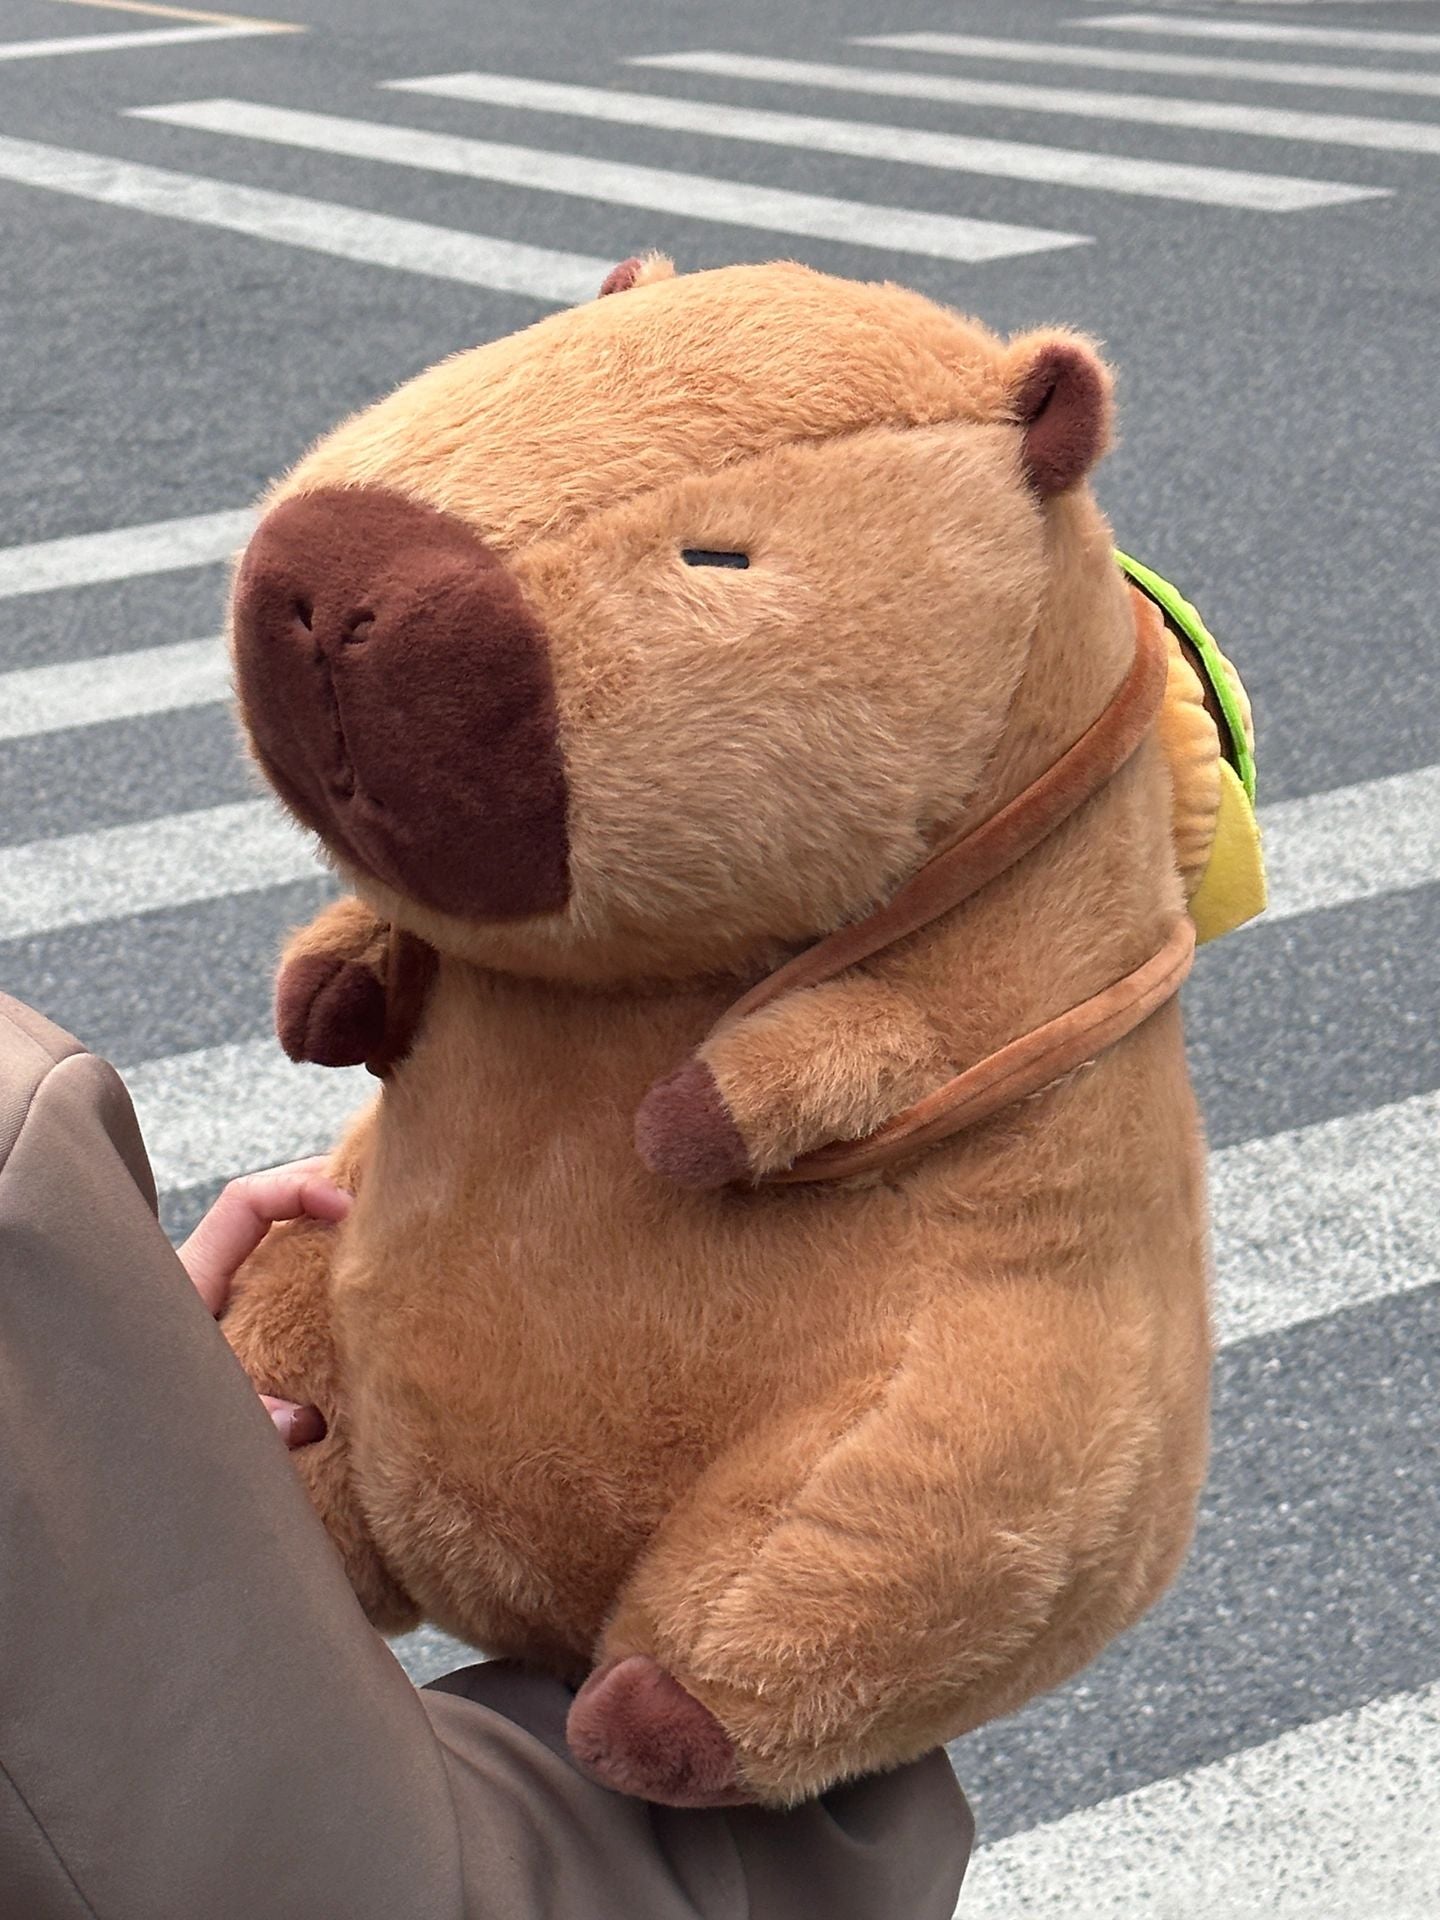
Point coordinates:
pixel 851 1470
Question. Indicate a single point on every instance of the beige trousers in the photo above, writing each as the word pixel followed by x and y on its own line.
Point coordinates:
pixel 196 1721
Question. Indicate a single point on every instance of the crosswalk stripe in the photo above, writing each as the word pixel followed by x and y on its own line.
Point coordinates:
pixel 348 233
pixel 739 203
pixel 1326 1217
pixel 122 42
pixel 1331 1821
pixel 1145 109
pixel 219 1111
pixel 911 146
pixel 204 15
pixel 1369 39
pixel 113 686
pixel 77 879
pixel 120 553
pixel 1352 842
pixel 1307 1223
pixel 1287 73
pixel 1326 850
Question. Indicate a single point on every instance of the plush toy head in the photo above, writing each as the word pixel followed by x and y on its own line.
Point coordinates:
pixel 670 544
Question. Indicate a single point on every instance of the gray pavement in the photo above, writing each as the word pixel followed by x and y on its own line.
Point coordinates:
pixel 1278 458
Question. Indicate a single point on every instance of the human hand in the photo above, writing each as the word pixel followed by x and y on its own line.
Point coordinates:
pixel 230 1232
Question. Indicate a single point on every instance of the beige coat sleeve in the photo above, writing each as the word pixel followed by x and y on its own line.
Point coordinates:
pixel 195 1718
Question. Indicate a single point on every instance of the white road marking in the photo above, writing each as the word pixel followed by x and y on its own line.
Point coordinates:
pixel 910 146
pixel 1285 73
pixel 1333 1821
pixel 319 226
pixel 426 1653
pixel 120 553
pixel 1145 109
pixel 219 1111
pixel 1307 1223
pixel 113 686
pixel 110 873
pixel 694 196
pixel 1330 1216
pixel 203 15
pixel 1324 850
pixel 1370 39
pixel 122 42
pixel 1352 843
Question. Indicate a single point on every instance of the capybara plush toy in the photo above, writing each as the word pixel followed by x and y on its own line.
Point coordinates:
pixel 775 1299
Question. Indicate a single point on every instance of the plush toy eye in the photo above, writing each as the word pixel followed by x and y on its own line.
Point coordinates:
pixel 708 557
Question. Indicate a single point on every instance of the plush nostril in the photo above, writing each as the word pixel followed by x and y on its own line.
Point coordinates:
pixel 397 688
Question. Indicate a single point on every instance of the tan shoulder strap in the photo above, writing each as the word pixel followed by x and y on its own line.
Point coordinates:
pixel 960 869
pixel 410 968
pixel 965 864
pixel 1024 1067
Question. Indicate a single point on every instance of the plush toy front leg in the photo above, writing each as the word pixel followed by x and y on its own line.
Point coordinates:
pixel 278 1324
pixel 832 1062
pixel 330 992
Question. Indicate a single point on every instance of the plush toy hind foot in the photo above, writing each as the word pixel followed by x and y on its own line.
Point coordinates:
pixel 636 1729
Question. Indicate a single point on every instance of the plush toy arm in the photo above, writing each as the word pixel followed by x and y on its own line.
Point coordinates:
pixel 832 1062
pixel 330 991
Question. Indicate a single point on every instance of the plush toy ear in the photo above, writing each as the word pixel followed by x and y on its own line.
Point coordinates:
pixel 1062 403
pixel 636 272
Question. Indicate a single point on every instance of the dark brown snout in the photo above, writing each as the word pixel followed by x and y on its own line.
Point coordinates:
pixel 399 695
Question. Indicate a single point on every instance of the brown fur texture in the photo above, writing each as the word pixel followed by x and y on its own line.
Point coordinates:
pixel 330 990
pixel 635 1728
pixel 637 271
pixel 396 688
pixel 854 1468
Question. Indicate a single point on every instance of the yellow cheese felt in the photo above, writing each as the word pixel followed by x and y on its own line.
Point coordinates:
pixel 1192 749
pixel 1232 888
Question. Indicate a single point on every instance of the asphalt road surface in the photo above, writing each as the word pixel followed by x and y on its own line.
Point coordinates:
pixel 1242 203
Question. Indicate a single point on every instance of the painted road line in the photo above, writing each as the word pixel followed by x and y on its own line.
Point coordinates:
pixel 1144 109
pixel 113 686
pixel 1352 843
pixel 1333 1821
pixel 121 42
pixel 739 203
pixel 1330 1216
pixel 120 553
pixel 1270 33
pixel 1323 851
pixel 77 879
pixel 1198 66
pixel 219 1111
pixel 911 146
pixel 1306 1224
pixel 426 1653
pixel 186 13
pixel 318 226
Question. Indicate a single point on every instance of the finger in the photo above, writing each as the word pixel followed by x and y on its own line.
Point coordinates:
pixel 297 1426
pixel 244 1213
pixel 323 1200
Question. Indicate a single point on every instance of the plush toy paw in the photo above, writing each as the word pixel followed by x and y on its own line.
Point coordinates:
pixel 636 1729
pixel 329 1011
pixel 685 1132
